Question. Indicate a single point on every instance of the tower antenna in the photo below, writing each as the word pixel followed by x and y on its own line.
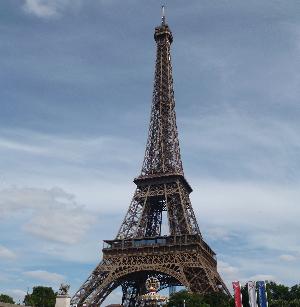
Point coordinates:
pixel 163 15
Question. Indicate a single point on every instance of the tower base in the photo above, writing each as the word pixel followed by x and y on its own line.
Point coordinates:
pixel 175 260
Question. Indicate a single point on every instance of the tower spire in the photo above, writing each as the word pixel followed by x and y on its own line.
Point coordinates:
pixel 162 156
pixel 163 15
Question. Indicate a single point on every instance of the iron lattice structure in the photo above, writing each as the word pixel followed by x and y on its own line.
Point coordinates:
pixel 140 250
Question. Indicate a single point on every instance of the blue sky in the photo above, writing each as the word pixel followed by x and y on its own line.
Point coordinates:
pixel 76 82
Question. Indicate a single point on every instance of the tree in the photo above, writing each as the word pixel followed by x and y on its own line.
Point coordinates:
pixel 4 298
pixel 295 292
pixel 191 300
pixel 283 296
pixel 279 303
pixel 40 297
pixel 278 292
pixel 218 299
pixel 295 303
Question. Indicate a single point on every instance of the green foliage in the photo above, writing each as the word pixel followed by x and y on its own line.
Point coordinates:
pixel 278 295
pixel 284 303
pixel 6 299
pixel 277 292
pixel 40 297
pixel 283 296
pixel 197 300
pixel 295 303
pixel 279 303
pixel 218 299
pixel 191 300
pixel 295 292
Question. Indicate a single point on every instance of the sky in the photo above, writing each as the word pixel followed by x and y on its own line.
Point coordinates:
pixel 76 81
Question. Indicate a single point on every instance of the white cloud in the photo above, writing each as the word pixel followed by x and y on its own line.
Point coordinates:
pixel 17 294
pixel 236 143
pixel 217 233
pixel 6 253
pixel 51 213
pixel 41 8
pixel 264 277
pixel 253 210
pixel 228 272
pixel 238 272
pixel 12 145
pixel 104 149
pixel 45 276
pixel 50 8
pixel 66 225
pixel 252 224
pixel 287 258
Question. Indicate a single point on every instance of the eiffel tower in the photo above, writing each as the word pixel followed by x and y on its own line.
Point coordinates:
pixel 140 249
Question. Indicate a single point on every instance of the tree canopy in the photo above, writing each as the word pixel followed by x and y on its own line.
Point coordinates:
pixel 197 300
pixel 278 296
pixel 282 296
pixel 4 298
pixel 40 297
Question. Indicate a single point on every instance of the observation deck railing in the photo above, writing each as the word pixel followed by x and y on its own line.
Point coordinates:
pixel 181 240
